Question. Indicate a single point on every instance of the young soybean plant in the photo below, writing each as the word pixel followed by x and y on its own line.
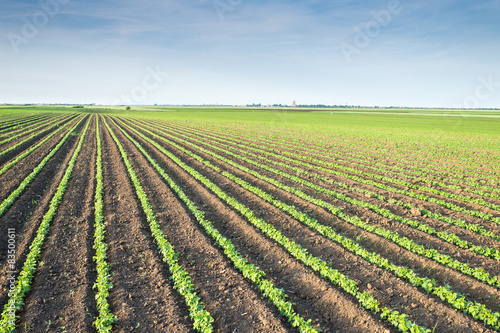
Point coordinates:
pixel 477 310
pixel 249 271
pixel 395 318
pixel 17 192
pixel 477 273
pixel 105 319
pixel 16 300
pixel 202 320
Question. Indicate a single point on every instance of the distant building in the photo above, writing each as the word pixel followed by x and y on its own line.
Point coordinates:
pixel 293 104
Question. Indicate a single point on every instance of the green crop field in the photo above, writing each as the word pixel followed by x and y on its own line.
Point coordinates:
pixel 221 219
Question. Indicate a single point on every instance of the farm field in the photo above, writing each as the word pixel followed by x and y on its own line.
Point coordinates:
pixel 244 220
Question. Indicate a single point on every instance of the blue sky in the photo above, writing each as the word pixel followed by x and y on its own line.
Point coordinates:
pixel 403 53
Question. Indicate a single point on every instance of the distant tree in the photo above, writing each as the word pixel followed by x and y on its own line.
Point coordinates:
pixel 127 108
pixel 78 106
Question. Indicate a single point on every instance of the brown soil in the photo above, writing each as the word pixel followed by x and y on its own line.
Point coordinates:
pixel 226 294
pixel 27 211
pixel 483 293
pixel 13 177
pixel 40 135
pixel 18 121
pixel 346 162
pixel 142 298
pixel 329 308
pixel 62 298
pixel 435 207
pixel 325 147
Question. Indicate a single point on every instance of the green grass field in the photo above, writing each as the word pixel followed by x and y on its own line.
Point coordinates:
pixel 310 219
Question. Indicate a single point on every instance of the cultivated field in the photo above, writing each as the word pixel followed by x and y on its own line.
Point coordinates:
pixel 184 220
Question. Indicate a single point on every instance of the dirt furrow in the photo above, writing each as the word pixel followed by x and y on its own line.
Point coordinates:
pixel 40 135
pixel 323 146
pixel 25 214
pixel 12 178
pixel 142 297
pixel 388 289
pixel 61 298
pixel 232 301
pixel 329 308
pixel 408 231
pixel 425 267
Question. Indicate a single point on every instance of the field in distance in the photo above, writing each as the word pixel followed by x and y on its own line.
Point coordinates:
pixel 190 219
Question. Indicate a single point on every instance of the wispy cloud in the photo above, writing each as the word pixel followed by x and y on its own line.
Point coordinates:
pixel 262 51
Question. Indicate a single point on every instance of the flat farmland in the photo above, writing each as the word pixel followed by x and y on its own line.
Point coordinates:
pixel 241 220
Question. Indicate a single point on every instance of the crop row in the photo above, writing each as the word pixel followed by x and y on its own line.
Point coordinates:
pixel 478 229
pixel 447 237
pixel 31 129
pixel 23 128
pixel 5 151
pixel 365 299
pixel 401 171
pixel 202 320
pixel 409 155
pixel 23 283
pixel 17 192
pixel 404 242
pixel 445 293
pixel 315 150
pixel 28 151
pixel 105 319
pixel 21 122
pixel 371 182
pixel 248 270
pixel 459 223
pixel 28 139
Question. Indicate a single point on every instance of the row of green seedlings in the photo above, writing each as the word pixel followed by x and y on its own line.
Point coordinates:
pixel 320 266
pixel 18 126
pixel 369 162
pixel 202 320
pixel 410 245
pixel 248 270
pixel 31 129
pixel 458 301
pixel 23 128
pixel 22 122
pixel 11 148
pixel 19 118
pixel 6 119
pixel 478 229
pixel 468 158
pixel 400 182
pixel 417 175
pixel 401 171
pixel 447 237
pixel 105 319
pixel 458 197
pixel 12 116
pixel 410 193
pixel 5 205
pixel 31 149
pixel 450 171
pixel 26 130
pixel 25 278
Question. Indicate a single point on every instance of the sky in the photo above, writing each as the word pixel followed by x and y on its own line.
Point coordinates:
pixel 388 53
